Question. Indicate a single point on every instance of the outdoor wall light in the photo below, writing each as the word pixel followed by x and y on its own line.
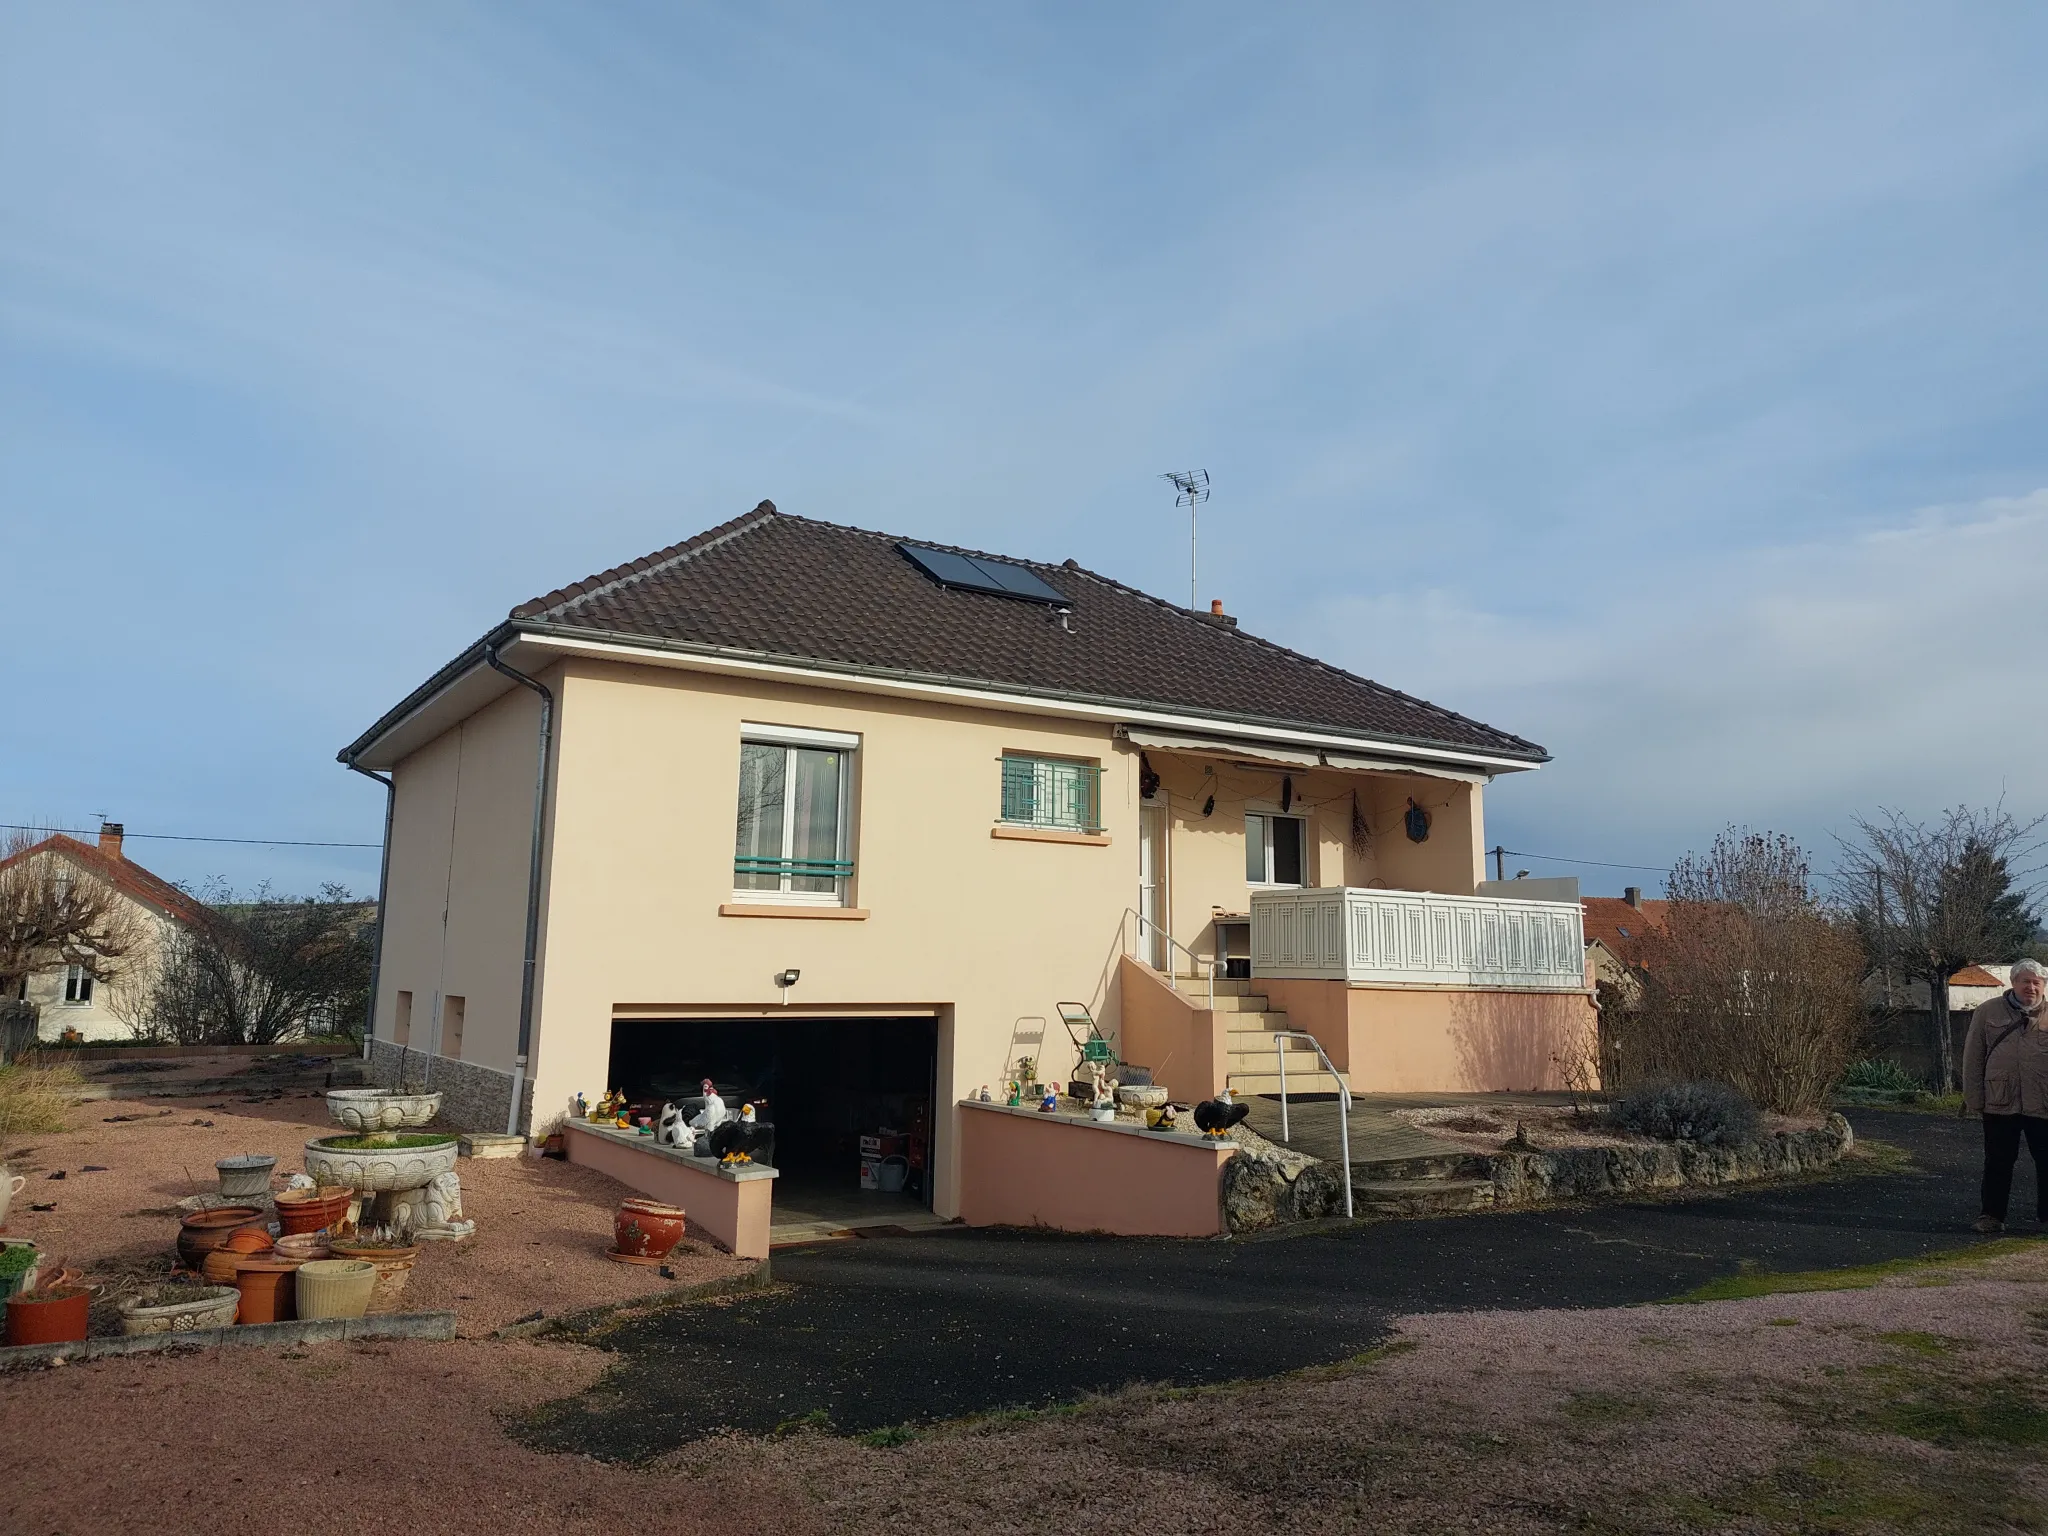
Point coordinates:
pixel 786 980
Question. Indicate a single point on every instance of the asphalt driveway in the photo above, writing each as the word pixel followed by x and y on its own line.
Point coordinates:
pixel 887 1331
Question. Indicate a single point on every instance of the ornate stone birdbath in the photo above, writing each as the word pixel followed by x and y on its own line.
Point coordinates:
pixel 406 1178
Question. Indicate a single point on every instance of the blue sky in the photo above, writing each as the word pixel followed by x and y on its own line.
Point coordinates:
pixel 1662 383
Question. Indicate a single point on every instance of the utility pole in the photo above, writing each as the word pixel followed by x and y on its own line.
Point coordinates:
pixel 1500 863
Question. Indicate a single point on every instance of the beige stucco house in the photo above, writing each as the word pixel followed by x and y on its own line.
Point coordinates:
pixel 70 998
pixel 839 820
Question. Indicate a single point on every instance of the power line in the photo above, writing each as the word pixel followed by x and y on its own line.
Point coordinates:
pixel 1548 858
pixel 177 837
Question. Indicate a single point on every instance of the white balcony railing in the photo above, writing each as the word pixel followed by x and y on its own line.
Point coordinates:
pixel 1416 938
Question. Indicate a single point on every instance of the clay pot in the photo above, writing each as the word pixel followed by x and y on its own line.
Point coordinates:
pixel 181 1308
pixel 335 1287
pixel 203 1231
pixel 268 1287
pixel 301 1246
pixel 313 1212
pixel 647 1229
pixel 56 1314
pixel 393 1266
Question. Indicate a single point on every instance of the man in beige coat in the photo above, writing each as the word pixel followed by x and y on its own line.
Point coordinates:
pixel 2005 1079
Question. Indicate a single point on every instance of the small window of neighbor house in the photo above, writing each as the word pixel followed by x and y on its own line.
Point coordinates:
pixel 77 986
pixel 452 1011
pixel 401 1020
pixel 1273 849
pixel 1060 794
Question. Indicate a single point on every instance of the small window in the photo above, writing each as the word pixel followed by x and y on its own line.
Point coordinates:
pixel 1273 847
pixel 790 840
pixel 1052 792
pixel 452 1010
pixel 77 985
pixel 401 1020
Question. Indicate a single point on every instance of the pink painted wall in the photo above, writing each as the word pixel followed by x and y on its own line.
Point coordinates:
pixel 735 1212
pixel 1044 1171
pixel 1163 1029
pixel 1440 1040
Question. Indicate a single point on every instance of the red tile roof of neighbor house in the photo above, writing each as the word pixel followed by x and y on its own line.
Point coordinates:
pixel 774 586
pixel 1974 976
pixel 1617 924
pixel 123 874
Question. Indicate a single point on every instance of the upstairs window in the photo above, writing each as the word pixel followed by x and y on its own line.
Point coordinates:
pixel 77 985
pixel 1273 849
pixel 1055 793
pixel 790 842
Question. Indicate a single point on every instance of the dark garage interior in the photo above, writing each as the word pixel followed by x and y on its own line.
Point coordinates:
pixel 827 1083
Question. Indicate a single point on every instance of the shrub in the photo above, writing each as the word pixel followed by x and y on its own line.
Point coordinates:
pixel 1709 1114
pixel 34 1099
pixel 1878 1075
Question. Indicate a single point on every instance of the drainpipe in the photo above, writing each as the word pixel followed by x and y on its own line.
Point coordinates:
pixel 540 807
pixel 383 895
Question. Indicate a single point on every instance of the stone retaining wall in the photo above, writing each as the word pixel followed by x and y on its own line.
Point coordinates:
pixel 474 1097
pixel 1267 1185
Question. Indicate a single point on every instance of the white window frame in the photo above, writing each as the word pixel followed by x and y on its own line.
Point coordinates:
pixel 1270 813
pixel 753 733
pixel 78 987
pixel 1089 770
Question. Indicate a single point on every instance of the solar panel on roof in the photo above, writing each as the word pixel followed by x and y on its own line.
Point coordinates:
pixel 978 574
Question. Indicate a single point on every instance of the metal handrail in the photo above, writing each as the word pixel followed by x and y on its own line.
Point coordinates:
pixel 1343 1097
pixel 1193 958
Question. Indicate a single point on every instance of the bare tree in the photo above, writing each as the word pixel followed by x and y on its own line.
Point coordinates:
pixel 1932 897
pixel 260 970
pixel 53 912
pixel 1751 980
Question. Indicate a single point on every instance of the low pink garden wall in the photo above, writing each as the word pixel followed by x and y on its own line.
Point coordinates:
pixel 1019 1168
pixel 733 1207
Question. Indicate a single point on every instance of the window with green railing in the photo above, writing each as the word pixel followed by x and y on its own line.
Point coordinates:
pixel 1056 793
pixel 791 842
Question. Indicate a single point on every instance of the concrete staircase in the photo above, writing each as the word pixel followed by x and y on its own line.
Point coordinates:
pixel 1422 1186
pixel 1250 1020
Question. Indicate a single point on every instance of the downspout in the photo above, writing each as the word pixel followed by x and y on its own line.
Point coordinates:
pixel 533 873
pixel 383 895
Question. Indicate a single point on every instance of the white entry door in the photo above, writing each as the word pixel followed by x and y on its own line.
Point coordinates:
pixel 1152 883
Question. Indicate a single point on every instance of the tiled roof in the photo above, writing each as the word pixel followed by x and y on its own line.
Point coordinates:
pixel 123 874
pixel 1618 925
pixel 1975 976
pixel 791 588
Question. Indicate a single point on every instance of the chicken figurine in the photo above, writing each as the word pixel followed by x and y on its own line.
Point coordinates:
pixel 1165 1118
pixel 1214 1117
pixel 712 1115
pixel 670 1131
pixel 736 1141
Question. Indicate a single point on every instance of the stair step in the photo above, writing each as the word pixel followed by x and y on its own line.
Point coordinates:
pixel 1242 1002
pixel 1400 1197
pixel 1304 1081
pixel 1263 1040
pixel 1423 1170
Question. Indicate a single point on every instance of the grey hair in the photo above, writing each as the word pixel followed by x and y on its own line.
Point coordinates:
pixel 2029 967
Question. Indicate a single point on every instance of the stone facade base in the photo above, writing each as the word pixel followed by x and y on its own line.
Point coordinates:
pixel 474 1097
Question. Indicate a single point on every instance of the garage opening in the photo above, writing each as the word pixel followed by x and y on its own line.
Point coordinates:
pixel 850 1101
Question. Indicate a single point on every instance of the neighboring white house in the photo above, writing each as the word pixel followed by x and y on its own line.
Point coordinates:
pixel 69 997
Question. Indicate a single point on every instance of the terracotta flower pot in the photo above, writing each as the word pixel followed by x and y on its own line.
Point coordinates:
pixel 335 1287
pixel 56 1314
pixel 301 1246
pixel 393 1266
pixel 269 1289
pixel 647 1229
pixel 203 1231
pixel 313 1212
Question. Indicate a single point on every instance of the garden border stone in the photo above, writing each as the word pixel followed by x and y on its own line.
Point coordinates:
pixel 438 1327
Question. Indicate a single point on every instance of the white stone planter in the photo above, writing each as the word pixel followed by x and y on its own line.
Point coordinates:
pixel 379 1170
pixel 181 1309
pixel 364 1110
pixel 245 1178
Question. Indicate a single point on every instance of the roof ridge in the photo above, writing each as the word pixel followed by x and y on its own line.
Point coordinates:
pixel 646 565
pixel 139 882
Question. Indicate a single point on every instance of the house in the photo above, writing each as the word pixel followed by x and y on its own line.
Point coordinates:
pixel 70 999
pixel 840 820
pixel 1615 927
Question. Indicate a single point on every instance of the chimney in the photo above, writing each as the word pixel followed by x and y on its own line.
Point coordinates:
pixel 1216 615
pixel 1633 895
pixel 110 839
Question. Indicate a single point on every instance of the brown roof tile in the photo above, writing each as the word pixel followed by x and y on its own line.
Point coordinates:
pixel 1618 925
pixel 123 874
pixel 775 585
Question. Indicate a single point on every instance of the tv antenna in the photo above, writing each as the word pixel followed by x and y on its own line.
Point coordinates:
pixel 1191 489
